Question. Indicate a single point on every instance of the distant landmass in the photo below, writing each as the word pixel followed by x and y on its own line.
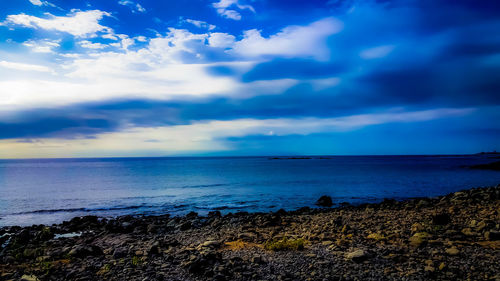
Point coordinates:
pixel 489 166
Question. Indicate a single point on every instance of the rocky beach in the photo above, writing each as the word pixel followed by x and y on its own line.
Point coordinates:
pixel 453 237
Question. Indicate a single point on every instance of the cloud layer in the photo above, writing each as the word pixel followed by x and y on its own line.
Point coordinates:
pixel 86 77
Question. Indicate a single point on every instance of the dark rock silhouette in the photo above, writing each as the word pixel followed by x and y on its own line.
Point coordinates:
pixel 324 201
pixel 495 166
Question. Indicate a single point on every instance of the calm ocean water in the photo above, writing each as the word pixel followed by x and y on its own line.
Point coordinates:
pixel 50 191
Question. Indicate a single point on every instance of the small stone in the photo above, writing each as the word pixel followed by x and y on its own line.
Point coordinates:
pixel 442 266
pixel 473 223
pixel 453 251
pixel 429 268
pixel 480 226
pixel 419 238
pixel 247 236
pixel 82 251
pixel 211 244
pixel 29 278
pixel 376 236
pixel 417 227
pixel 327 243
pixel 467 231
pixel 357 255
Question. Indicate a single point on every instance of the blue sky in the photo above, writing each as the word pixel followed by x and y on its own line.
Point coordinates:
pixel 257 77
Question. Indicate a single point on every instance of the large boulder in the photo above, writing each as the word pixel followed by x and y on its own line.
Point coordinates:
pixel 324 201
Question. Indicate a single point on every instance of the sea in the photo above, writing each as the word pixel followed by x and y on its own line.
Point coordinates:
pixel 47 191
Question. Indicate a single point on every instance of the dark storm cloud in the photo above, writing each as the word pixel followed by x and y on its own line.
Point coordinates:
pixel 60 126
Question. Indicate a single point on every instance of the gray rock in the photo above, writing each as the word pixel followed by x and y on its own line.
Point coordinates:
pixel 357 255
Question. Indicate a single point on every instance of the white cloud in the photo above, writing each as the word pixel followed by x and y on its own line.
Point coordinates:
pixel 136 7
pixel 222 8
pixel 140 8
pixel 208 135
pixel 36 2
pixel 168 67
pixel 90 45
pixel 221 40
pixel 224 4
pixel 109 36
pixel 43 3
pixel 292 41
pixel 229 14
pixel 42 46
pixel 376 52
pixel 141 38
pixel 24 67
pixel 79 24
pixel 201 24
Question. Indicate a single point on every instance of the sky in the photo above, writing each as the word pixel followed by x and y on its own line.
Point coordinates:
pixel 118 78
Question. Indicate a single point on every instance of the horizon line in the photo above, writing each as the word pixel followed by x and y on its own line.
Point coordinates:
pixel 254 156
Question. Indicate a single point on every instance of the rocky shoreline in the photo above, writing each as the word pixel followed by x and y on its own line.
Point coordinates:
pixel 453 237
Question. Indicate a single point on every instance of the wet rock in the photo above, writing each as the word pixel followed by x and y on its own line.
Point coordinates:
pixel 23 236
pixel 214 214
pixel 418 245
pixel 82 251
pixel 45 234
pixel 30 253
pixel 192 215
pixel 8 259
pixel 324 201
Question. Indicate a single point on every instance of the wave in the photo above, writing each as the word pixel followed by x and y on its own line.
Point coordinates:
pixel 225 207
pixel 147 197
pixel 205 185
pixel 86 210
